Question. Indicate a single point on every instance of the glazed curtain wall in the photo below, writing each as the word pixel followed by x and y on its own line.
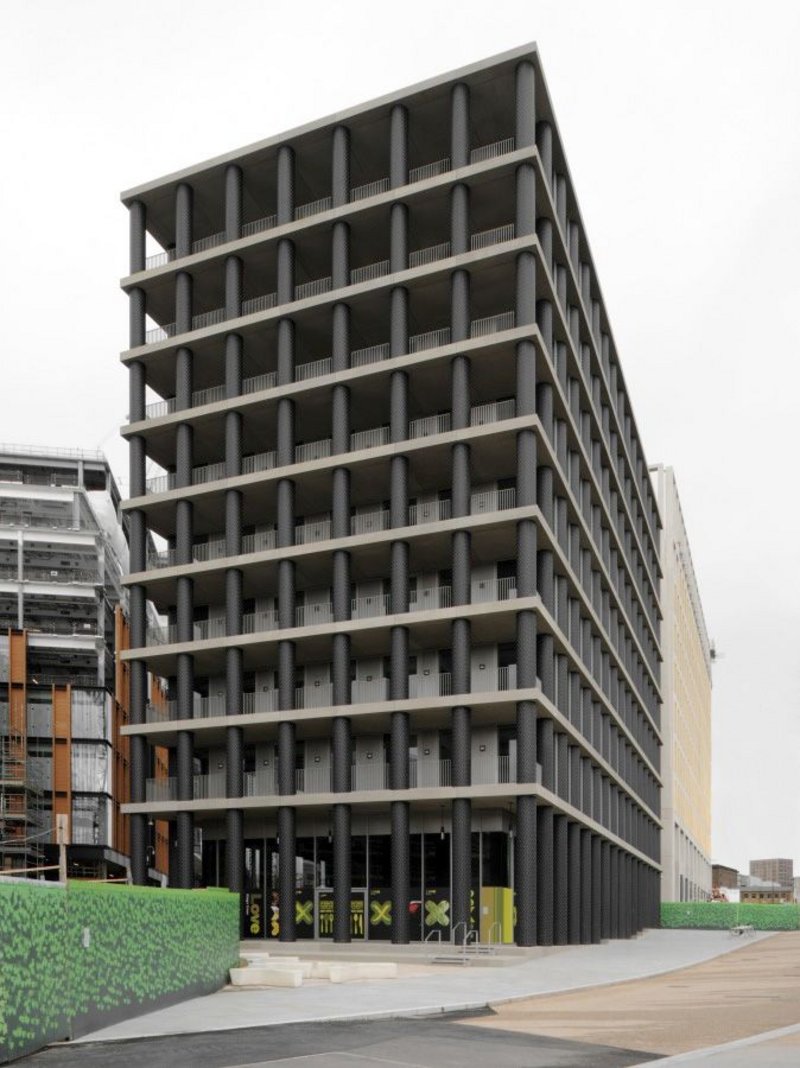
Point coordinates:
pixel 76 959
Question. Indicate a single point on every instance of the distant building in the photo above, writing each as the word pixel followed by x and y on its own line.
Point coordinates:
pixel 63 690
pixel 765 895
pixel 686 710
pixel 724 878
pixel 774 869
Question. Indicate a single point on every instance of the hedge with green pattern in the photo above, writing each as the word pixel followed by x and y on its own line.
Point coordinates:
pixel 69 959
pixel 722 915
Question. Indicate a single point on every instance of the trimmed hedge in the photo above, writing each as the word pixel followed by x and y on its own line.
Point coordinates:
pixel 76 958
pixel 722 915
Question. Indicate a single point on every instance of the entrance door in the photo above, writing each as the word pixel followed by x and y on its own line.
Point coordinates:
pixel 323 911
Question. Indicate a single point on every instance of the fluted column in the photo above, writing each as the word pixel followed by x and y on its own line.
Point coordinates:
pixel 597 887
pixel 234 738
pixel 574 874
pixel 341 739
pixel 560 880
pixel 398 146
pixel 586 885
pixel 605 890
pixel 525 126
pixel 139 756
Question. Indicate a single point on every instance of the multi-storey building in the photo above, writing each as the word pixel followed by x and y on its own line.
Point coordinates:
pixel 778 870
pixel 62 695
pixel 410 567
pixel 686 710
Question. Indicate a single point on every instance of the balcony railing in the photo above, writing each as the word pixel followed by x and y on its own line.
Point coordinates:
pixel 369 189
pixel 429 255
pixel 372 270
pixel 364 523
pixel 313 208
pixel 369 439
pixel 430 424
pixel 492 324
pixel 496 148
pixel 371 354
pixel 258 226
pixel 359 192
pixel 313 288
pixel 492 237
pixel 429 170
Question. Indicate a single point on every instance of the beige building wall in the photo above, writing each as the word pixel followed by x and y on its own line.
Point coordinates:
pixel 686 712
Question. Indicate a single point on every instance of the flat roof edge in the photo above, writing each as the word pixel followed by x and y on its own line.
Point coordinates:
pixel 522 51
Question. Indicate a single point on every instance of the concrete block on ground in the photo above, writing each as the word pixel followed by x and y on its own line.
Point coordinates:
pixel 267 976
pixel 343 973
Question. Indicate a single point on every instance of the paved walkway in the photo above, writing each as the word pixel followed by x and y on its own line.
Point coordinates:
pixel 712 1013
pixel 455 989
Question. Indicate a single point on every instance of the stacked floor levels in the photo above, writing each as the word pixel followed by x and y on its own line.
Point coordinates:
pixel 62 552
pixel 410 566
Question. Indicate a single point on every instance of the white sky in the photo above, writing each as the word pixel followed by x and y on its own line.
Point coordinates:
pixel 680 121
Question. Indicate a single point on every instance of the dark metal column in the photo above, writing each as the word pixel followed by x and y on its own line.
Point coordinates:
pixel 605 890
pixel 597 889
pixel 139 754
pixel 525 127
pixel 574 884
pixel 560 880
pixel 287 755
pixel 586 885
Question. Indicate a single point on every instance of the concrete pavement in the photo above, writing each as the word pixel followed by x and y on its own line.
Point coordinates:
pixel 445 990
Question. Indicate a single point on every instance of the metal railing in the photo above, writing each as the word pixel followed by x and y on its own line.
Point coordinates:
pixel 312 450
pixel 487 590
pixel 494 412
pixel 260 461
pixel 496 148
pixel 366 691
pixel 259 304
pixel 212 241
pixel 430 424
pixel 492 237
pixel 258 226
pixel 313 288
pixel 309 615
pixel 429 255
pixel 317 530
pixel 369 189
pixel 429 170
pixel 258 382
pixel 429 512
pixel 378 604
pixel 370 522
pixel 429 340
pixel 430 684
pixel 370 271
pixel 370 354
pixel 80 576
pixel 369 439
pixel 493 500
pixel 359 192
pixel 430 598
pixel 312 370
pixel 209 318
pixel 314 207
pixel 492 324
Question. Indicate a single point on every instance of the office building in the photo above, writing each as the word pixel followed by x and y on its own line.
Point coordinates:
pixel 686 710
pixel 63 697
pixel 778 870
pixel 408 564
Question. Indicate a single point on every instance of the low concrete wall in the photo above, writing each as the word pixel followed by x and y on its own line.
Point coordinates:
pixel 77 957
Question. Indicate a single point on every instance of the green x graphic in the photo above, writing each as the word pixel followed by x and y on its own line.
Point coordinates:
pixel 380 912
pixel 437 912
pixel 304 911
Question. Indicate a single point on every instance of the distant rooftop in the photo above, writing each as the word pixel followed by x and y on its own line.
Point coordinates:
pixel 50 452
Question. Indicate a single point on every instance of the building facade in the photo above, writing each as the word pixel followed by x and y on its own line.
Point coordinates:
pixel 778 870
pixel 62 694
pixel 686 710
pixel 409 575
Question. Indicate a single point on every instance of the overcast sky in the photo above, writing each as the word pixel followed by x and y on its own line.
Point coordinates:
pixel 681 122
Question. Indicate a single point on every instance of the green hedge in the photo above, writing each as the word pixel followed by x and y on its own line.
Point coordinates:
pixel 722 915
pixel 73 960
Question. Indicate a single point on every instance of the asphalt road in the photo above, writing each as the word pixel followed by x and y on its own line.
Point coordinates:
pixel 404 1043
